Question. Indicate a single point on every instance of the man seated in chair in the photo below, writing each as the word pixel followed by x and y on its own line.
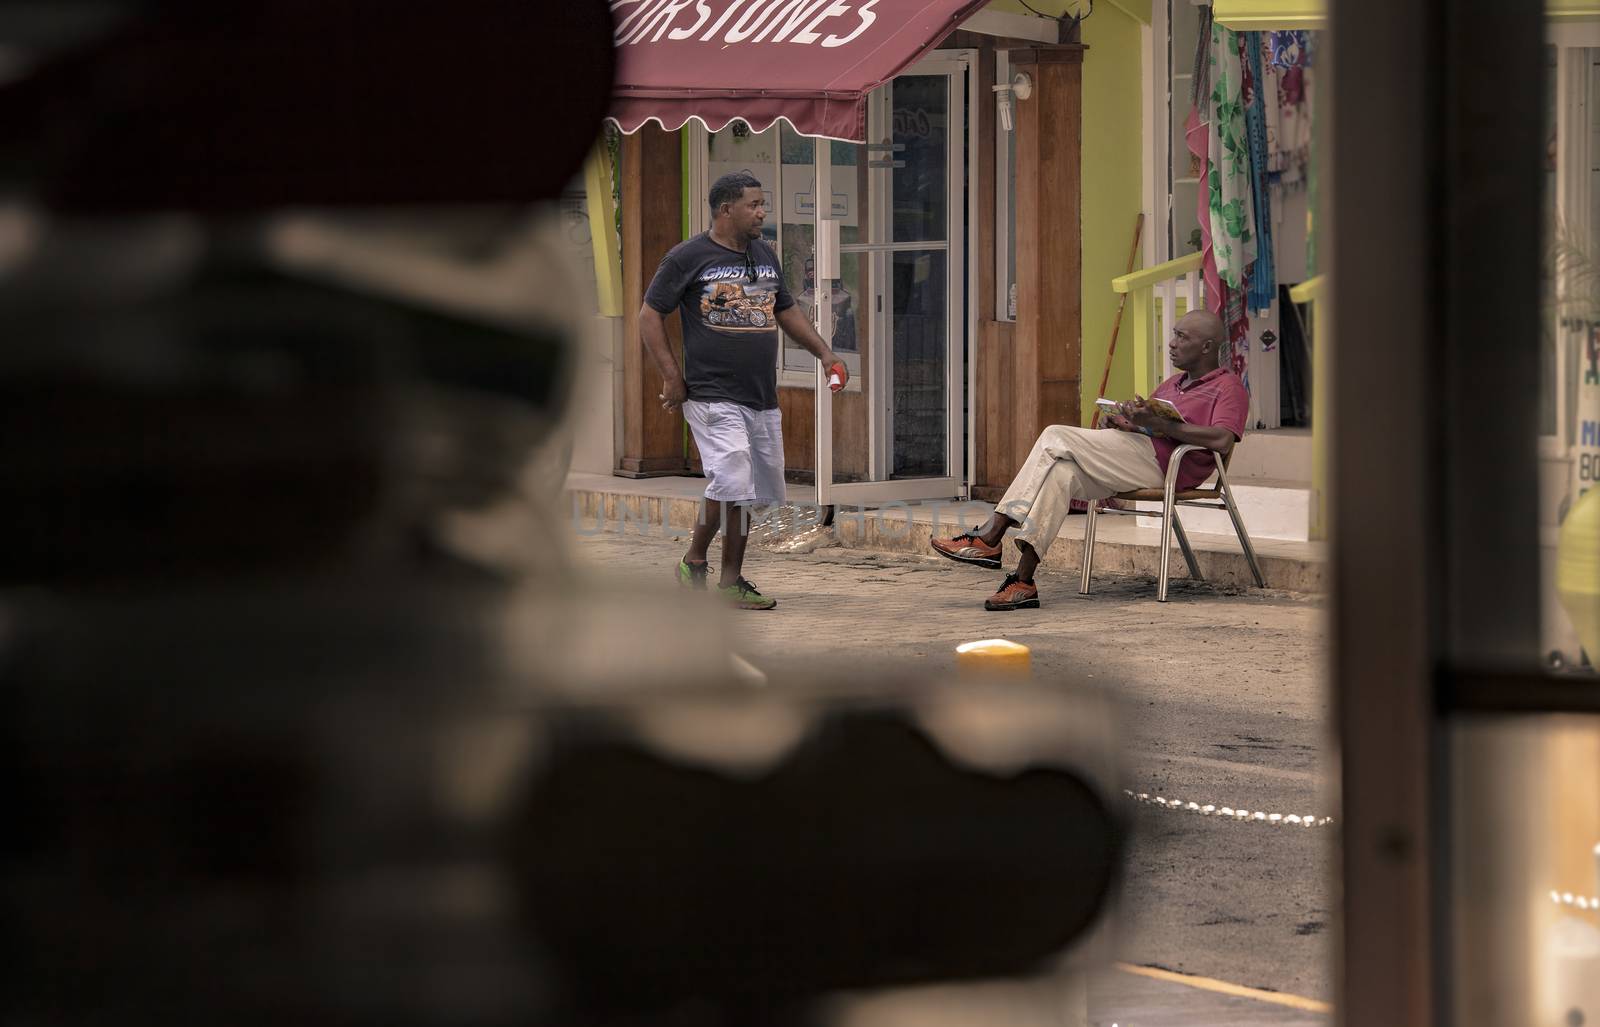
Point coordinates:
pixel 1131 452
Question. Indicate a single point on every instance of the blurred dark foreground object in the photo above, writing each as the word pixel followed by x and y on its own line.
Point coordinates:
pixel 247 104
pixel 272 752
pixel 344 804
pixel 238 419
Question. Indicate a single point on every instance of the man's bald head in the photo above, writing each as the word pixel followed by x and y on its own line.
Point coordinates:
pixel 1196 343
pixel 1203 324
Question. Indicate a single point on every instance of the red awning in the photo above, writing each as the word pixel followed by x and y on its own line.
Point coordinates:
pixel 810 62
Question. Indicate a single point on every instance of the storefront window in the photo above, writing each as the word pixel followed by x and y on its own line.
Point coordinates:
pixel 1525 789
pixel 797 183
pixel 784 161
pixel 1569 397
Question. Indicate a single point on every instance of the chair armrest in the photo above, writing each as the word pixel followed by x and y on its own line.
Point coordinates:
pixel 1176 460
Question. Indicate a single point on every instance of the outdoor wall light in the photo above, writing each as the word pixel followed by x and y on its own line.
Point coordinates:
pixel 1021 87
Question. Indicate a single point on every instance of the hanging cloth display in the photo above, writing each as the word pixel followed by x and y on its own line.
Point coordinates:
pixel 1290 49
pixel 1272 106
pixel 1232 212
pixel 1263 276
pixel 1292 149
pixel 1196 136
pixel 1311 166
pixel 1236 317
pixel 1233 238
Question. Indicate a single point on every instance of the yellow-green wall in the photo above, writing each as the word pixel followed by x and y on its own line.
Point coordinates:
pixel 1113 175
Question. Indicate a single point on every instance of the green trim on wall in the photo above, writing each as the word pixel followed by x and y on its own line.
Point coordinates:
pixel 1259 15
pixel 683 180
pixel 600 205
pixel 1572 10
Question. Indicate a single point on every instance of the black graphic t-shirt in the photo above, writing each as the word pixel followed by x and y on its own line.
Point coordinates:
pixel 729 303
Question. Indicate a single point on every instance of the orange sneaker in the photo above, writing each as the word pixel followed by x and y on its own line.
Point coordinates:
pixel 967 547
pixel 1013 595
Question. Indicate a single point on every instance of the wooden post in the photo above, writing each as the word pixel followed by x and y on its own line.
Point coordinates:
pixel 652 223
pixel 1048 363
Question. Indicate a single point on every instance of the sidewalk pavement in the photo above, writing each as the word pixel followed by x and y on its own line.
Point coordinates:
pixel 1122 546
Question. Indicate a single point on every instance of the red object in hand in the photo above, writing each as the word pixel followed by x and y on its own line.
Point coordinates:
pixel 837 376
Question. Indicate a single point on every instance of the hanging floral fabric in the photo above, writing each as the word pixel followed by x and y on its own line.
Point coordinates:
pixel 1236 317
pixel 1311 167
pixel 1292 148
pixel 1263 276
pixel 1233 239
pixel 1229 211
pixel 1290 49
pixel 1272 106
pixel 1196 137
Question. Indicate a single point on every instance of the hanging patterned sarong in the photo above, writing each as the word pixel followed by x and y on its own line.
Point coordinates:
pixel 1196 137
pixel 1311 163
pixel 1229 192
pixel 1263 275
pixel 1290 49
pixel 1233 239
pixel 1236 318
pixel 1292 151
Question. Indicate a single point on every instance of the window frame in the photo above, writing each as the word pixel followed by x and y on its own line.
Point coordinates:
pixel 1004 228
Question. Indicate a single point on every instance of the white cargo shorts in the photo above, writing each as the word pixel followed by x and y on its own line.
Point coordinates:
pixel 741 451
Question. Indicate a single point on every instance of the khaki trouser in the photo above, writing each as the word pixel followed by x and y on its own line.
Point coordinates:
pixel 1068 463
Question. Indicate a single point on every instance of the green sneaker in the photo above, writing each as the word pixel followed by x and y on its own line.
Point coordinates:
pixel 744 596
pixel 692 575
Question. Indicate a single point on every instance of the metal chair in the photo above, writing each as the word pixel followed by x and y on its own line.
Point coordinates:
pixel 1217 497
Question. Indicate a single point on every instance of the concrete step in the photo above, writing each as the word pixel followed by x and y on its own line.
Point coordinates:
pixel 1270 508
pixel 1122 546
pixel 1281 454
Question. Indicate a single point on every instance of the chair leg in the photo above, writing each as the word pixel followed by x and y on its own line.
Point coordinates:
pixel 1166 543
pixel 1088 549
pixel 1244 536
pixel 1188 551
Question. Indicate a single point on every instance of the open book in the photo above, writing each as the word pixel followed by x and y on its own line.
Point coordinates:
pixel 1160 406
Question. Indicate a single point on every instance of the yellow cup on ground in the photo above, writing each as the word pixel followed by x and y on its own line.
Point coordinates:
pixel 994 656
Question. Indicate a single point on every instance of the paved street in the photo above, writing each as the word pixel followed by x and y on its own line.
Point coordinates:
pixel 1224 707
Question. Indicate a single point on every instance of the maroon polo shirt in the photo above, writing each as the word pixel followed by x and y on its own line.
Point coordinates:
pixel 1218 398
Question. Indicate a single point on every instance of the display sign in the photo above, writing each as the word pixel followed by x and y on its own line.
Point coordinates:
pixel 1586 434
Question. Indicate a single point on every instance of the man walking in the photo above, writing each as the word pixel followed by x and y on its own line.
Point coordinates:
pixel 1069 463
pixel 728 289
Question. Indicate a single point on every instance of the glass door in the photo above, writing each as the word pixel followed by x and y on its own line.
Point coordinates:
pixel 896 312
